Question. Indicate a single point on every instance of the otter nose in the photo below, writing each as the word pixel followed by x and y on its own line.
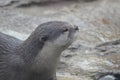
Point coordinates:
pixel 76 27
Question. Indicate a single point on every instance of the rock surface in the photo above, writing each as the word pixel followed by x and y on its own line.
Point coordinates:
pixel 29 2
pixel 97 48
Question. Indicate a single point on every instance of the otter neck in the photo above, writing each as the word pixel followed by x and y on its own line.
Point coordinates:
pixel 47 59
pixel 30 48
pixel 33 50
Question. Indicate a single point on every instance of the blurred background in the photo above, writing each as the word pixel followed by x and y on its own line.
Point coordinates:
pixel 97 48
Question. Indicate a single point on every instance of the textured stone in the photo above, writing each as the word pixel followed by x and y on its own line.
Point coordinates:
pixel 4 3
pixel 98 22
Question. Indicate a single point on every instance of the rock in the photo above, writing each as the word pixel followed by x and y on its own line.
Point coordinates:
pixel 21 3
pixel 4 2
pixel 108 77
pixel 97 48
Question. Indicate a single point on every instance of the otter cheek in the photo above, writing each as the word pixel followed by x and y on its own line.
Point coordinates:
pixel 76 34
pixel 62 39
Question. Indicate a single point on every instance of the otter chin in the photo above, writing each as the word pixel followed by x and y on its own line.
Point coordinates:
pixel 35 58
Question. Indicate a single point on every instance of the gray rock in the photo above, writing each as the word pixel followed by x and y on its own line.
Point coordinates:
pixel 108 77
pixel 4 3
pixel 98 22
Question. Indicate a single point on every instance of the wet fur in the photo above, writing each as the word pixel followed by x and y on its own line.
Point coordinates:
pixel 34 59
pixel 12 66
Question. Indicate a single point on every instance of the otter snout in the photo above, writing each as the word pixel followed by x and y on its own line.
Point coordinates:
pixel 76 28
pixel 73 33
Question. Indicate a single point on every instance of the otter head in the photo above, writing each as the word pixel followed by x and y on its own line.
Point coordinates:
pixel 57 34
pixel 54 37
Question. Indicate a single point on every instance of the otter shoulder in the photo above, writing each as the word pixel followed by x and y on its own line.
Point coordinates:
pixel 7 43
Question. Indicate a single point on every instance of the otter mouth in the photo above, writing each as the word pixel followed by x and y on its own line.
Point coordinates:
pixel 71 38
pixel 73 35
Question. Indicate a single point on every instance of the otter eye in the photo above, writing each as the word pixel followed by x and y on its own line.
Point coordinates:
pixel 44 38
pixel 65 30
pixel 76 28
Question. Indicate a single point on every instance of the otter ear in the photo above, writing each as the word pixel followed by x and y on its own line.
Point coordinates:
pixel 43 38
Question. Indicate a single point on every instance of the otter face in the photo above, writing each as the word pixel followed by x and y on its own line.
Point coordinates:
pixel 66 37
pixel 56 37
pixel 58 34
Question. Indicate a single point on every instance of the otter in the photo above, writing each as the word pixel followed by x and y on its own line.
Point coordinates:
pixel 35 58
